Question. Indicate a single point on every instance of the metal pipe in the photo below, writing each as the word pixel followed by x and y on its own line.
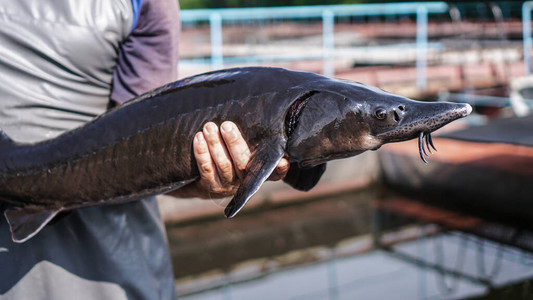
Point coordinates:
pixel 328 43
pixel 421 47
pixel 526 31
pixel 333 284
pixel 311 11
pixel 328 14
pixel 217 57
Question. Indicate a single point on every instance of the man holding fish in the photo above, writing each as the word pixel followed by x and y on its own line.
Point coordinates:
pixel 61 64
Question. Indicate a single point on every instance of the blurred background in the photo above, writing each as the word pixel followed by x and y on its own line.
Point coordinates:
pixel 381 225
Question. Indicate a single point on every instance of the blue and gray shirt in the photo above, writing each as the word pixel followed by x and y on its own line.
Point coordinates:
pixel 61 63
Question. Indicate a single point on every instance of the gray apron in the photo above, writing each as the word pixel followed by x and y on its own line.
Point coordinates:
pixel 56 67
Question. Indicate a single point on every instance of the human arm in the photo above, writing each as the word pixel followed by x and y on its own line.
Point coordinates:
pixel 151 51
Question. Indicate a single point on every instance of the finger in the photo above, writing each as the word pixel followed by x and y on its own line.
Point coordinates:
pixel 206 166
pixel 219 154
pixel 236 145
pixel 280 171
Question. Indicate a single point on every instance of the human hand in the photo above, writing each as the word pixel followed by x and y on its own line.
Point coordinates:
pixel 222 155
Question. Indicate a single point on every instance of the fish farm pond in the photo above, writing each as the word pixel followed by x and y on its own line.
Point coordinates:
pixel 373 243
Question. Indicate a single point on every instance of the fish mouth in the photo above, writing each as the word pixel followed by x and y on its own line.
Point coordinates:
pixel 425 142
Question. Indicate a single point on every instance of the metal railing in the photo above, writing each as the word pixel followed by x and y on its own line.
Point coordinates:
pixel 526 32
pixel 327 14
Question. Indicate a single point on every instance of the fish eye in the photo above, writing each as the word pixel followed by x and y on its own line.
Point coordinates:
pixel 380 113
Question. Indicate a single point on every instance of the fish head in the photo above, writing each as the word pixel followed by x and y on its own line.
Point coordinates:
pixel 408 119
pixel 405 119
pixel 341 119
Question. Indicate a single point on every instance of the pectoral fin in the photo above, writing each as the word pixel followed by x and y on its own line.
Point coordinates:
pixel 25 222
pixel 261 165
pixel 304 179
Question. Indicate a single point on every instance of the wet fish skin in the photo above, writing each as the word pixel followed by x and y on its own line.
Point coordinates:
pixel 141 148
pixel 138 144
pixel 144 147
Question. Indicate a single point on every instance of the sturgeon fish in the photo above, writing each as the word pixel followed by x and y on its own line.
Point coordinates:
pixel 144 147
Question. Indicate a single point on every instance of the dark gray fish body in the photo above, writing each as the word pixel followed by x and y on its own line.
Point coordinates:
pixel 145 146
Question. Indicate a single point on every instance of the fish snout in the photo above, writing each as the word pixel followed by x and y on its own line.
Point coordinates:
pixel 409 120
pixel 467 109
pixel 445 113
